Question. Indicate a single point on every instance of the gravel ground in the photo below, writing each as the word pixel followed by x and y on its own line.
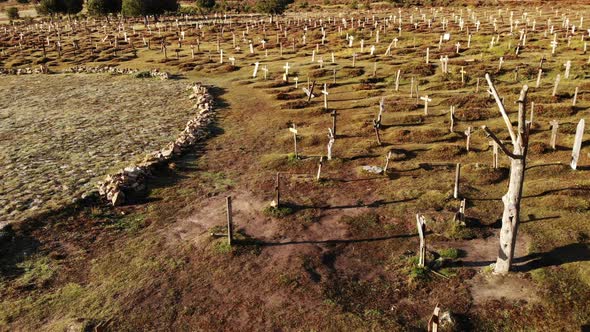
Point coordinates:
pixel 59 134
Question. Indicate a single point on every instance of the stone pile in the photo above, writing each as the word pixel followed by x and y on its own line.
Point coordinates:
pixel 132 179
pixel 24 71
pixel 155 73
pixel 100 70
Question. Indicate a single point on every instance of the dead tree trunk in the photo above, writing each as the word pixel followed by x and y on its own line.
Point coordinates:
pixel 511 200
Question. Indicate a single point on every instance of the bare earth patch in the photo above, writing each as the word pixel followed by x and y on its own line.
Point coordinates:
pixel 60 133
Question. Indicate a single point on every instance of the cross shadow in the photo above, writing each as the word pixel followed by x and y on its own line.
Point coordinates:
pixel 376 203
pixel 338 241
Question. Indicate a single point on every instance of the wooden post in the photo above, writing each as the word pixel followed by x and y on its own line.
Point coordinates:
pixel 387 162
pixel 421 225
pixel 434 320
pixel 468 138
pixel 577 144
pixel 557 79
pixel 230 226
pixel 452 119
pixel 457 177
pixel 554 126
pixel 278 191
pixel 294 131
pixel 376 126
pixel 320 168
pixel 334 115
pixel 539 78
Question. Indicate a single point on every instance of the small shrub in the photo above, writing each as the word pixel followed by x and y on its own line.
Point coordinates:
pixel 458 231
pixel 450 253
pixel 222 247
pixel 143 74
pixel 12 13
pixel 278 212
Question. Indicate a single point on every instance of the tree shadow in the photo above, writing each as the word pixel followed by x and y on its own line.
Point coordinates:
pixel 574 252
pixel 552 191
pixel 15 247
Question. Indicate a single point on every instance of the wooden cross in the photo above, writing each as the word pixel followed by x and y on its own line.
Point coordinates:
pixel 426 101
pixel 287 67
pixel 296 79
pixel 325 93
pixel 463 72
pixel 265 70
pixel 320 168
pixel 553 47
pixel 567 66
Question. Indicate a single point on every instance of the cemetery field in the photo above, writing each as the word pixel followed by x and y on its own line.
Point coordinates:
pixel 361 138
pixel 60 133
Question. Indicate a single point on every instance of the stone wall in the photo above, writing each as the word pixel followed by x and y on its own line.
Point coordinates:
pixel 117 186
pixel 154 73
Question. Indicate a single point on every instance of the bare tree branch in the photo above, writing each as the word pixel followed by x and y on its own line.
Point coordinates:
pixel 500 144
pixel 494 93
pixel 522 116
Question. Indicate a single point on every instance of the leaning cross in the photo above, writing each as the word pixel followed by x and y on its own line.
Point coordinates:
pixel 577 144
pixel 256 65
